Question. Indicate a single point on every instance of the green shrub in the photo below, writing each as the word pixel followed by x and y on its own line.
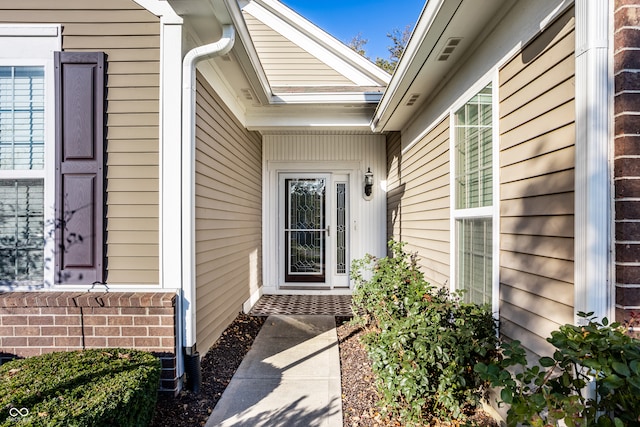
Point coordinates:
pixel 98 387
pixel 554 389
pixel 423 342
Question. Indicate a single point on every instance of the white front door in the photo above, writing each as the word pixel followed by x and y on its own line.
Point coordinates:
pixel 313 230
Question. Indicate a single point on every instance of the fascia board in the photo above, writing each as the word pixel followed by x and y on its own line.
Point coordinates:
pixel 430 27
pixel 247 55
pixel 326 98
pixel 357 120
pixel 317 42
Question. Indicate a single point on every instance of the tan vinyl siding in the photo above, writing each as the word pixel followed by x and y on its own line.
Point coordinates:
pixel 286 63
pixel 228 215
pixel 130 36
pixel 537 157
pixel 419 200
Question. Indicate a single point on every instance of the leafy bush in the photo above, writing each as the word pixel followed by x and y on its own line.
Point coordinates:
pixel 554 389
pixel 98 387
pixel 423 342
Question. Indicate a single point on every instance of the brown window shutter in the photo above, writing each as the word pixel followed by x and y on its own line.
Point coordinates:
pixel 79 207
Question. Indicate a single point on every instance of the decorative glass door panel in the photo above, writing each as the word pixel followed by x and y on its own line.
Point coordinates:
pixel 305 229
pixel 341 228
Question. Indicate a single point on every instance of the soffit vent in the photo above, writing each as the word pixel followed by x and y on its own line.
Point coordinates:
pixel 448 48
pixel 412 99
pixel 247 94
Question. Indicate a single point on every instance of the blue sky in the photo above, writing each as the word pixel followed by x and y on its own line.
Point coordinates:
pixel 373 19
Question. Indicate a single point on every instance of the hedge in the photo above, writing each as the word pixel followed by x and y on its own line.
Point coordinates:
pixel 97 387
pixel 423 341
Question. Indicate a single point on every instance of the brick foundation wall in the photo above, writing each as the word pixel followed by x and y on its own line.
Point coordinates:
pixel 33 323
pixel 627 156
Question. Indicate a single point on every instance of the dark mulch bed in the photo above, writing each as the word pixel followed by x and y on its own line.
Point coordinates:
pixel 359 395
pixel 218 366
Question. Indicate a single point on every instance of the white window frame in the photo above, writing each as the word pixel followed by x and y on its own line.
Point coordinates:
pixel 34 45
pixel 492 211
pixel 341 280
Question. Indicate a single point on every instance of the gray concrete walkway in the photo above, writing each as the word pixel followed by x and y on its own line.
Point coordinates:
pixel 290 377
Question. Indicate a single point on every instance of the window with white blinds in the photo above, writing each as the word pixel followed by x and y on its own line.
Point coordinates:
pixel 22 135
pixel 474 258
pixel 474 135
pixel 473 213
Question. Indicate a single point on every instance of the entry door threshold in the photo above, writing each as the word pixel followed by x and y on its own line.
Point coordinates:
pixel 305 287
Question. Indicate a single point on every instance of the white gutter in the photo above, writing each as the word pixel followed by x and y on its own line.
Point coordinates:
pixel 191 59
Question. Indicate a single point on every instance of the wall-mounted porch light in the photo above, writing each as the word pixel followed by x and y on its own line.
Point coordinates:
pixel 368 182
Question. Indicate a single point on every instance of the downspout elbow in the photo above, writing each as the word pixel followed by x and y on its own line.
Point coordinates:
pixel 211 50
pixel 191 59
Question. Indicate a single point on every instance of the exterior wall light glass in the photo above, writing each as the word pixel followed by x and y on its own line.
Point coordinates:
pixel 368 182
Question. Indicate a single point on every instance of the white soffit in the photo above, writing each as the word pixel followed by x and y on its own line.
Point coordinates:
pixel 427 61
pixel 422 71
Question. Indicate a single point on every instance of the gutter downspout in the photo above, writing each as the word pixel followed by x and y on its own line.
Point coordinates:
pixel 191 59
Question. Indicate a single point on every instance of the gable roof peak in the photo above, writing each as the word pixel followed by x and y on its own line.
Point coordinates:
pixel 315 41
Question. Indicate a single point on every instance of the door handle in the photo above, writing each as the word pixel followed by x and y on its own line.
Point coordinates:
pixel 329 231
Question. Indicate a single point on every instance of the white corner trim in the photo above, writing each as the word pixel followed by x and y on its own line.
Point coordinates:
pixel 495 303
pixel 251 301
pixel 170 109
pixel 593 210
pixel 170 173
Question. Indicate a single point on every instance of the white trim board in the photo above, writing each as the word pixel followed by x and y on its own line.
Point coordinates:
pixel 594 269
